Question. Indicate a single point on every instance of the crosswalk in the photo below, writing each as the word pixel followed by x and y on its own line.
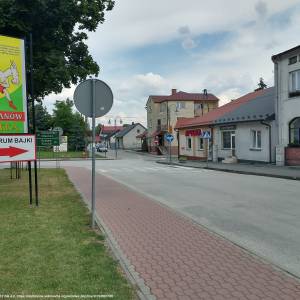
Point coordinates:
pixel 152 169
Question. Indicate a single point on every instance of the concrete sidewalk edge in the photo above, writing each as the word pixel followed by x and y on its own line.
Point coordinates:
pixel 290 177
pixel 142 290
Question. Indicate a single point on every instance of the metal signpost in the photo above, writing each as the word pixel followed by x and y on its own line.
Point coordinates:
pixel 17 147
pixel 206 135
pixel 169 137
pixel 93 98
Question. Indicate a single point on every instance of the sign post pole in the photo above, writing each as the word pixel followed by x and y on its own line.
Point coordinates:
pixel 170 157
pixel 93 151
pixel 93 98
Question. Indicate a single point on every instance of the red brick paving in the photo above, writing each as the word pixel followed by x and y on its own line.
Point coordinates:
pixel 176 258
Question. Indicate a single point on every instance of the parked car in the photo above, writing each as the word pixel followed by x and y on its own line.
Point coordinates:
pixel 101 148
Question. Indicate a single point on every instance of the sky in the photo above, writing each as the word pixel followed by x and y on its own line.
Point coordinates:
pixel 149 47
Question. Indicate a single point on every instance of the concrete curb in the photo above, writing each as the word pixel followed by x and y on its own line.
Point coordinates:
pixel 233 171
pixel 142 290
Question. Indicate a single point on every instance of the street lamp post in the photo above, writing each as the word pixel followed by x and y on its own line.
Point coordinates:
pixel 115 123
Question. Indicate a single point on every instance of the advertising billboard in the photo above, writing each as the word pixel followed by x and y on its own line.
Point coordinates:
pixel 13 108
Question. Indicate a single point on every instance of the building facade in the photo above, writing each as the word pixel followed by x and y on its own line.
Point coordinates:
pixel 127 138
pixel 287 106
pixel 163 112
pixel 243 129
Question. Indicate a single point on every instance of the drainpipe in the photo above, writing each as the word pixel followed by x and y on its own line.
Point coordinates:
pixel 270 140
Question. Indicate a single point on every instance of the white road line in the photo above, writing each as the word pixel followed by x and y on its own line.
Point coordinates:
pixel 102 170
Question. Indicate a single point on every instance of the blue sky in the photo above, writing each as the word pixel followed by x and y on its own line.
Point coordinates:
pixel 148 47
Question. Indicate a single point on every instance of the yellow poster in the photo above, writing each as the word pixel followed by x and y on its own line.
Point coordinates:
pixel 13 108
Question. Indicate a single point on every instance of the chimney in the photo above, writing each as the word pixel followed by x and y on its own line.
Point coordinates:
pixel 174 91
pixel 205 92
pixel 132 123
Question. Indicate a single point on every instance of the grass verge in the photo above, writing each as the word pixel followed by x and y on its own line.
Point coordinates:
pixel 52 155
pixel 51 250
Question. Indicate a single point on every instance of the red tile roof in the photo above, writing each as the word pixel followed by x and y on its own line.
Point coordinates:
pixel 183 96
pixel 109 129
pixel 211 116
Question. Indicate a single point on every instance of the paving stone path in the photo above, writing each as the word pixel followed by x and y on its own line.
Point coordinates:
pixel 176 258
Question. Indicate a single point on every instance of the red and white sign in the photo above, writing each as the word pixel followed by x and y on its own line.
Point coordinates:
pixel 17 147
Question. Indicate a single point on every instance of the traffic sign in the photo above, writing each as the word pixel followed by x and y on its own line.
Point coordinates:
pixel 93 98
pixel 97 89
pixel 206 135
pixel 47 138
pixel 169 137
pixel 17 147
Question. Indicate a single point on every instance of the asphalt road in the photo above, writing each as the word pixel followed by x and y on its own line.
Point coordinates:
pixel 258 213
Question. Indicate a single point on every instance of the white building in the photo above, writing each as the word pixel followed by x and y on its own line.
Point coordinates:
pixel 128 138
pixel 287 106
pixel 243 129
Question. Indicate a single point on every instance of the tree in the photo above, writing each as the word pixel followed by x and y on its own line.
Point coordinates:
pixel 73 124
pixel 261 84
pixel 43 119
pixel 59 29
pixel 63 115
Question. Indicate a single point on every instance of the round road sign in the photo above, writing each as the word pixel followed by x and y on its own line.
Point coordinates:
pixel 83 98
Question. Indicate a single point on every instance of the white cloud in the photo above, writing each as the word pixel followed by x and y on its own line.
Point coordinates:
pixel 228 70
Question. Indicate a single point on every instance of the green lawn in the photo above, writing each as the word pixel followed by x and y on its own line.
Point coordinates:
pixel 51 250
pixel 52 155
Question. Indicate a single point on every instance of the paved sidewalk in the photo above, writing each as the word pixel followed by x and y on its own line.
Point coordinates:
pixel 176 258
pixel 242 168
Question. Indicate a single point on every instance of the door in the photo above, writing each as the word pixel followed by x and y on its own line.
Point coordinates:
pixel 233 144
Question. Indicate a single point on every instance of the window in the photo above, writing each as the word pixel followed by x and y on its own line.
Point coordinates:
pixel 292 60
pixel 294 83
pixel 180 105
pixel 256 139
pixel 198 106
pixel 162 107
pixel 228 139
pixel 138 131
pixel 294 129
pixel 188 142
pixel 200 143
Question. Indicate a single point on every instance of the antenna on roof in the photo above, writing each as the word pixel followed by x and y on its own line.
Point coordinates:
pixel 205 92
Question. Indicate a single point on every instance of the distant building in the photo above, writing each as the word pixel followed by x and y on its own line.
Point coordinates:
pixel 107 133
pixel 128 138
pixel 287 106
pixel 163 111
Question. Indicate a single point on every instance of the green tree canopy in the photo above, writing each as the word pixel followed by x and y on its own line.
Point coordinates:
pixel 42 118
pixel 73 124
pixel 59 29
pixel 261 84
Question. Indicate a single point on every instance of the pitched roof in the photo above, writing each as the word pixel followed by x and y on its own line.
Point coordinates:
pixel 277 56
pixel 257 105
pixel 183 96
pixel 127 129
pixel 109 129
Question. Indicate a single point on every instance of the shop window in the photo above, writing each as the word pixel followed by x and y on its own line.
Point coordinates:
pixel 200 143
pixel 188 142
pixel 256 139
pixel 294 131
pixel 228 139
pixel 294 89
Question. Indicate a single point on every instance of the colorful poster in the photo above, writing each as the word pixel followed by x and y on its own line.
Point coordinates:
pixel 13 108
